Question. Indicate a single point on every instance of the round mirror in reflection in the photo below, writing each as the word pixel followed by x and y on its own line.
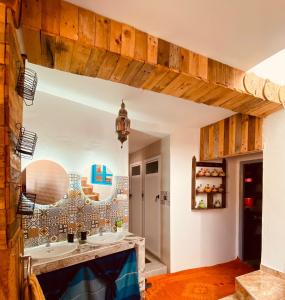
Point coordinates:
pixel 97 183
pixel 47 179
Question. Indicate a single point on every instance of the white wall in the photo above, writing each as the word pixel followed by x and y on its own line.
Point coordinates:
pixel 74 135
pixel 198 238
pixel 273 215
pixel 165 208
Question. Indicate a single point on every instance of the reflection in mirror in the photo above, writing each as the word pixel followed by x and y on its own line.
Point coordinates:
pixel 97 182
pixel 47 179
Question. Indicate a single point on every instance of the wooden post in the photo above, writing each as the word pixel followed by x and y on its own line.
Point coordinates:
pixel 11 108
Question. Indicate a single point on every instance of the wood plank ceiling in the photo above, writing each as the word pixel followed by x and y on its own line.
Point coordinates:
pixel 63 36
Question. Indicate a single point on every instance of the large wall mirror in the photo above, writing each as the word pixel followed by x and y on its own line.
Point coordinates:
pixel 97 183
pixel 47 179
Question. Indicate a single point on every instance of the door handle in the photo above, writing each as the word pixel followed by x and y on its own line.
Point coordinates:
pixel 156 198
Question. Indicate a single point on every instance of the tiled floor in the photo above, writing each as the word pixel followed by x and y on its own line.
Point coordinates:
pixel 154 267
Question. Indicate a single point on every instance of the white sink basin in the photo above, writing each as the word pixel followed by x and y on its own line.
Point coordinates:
pixel 106 238
pixel 54 250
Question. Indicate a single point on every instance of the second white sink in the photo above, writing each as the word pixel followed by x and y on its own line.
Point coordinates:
pixel 54 250
pixel 106 238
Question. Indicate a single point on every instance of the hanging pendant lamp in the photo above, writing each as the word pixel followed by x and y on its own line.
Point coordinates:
pixel 123 124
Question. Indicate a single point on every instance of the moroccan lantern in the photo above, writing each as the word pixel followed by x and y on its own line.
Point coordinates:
pixel 123 124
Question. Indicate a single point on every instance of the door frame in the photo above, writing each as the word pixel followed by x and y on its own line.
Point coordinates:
pixel 138 163
pixel 145 162
pixel 241 190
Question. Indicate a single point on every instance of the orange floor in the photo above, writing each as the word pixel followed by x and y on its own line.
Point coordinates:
pixel 208 283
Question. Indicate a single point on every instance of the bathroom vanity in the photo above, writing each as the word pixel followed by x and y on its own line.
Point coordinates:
pixel 87 252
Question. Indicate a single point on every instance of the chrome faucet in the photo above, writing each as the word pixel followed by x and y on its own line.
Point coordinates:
pixel 101 230
pixel 48 242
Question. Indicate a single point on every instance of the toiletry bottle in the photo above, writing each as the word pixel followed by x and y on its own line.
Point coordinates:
pixel 119 225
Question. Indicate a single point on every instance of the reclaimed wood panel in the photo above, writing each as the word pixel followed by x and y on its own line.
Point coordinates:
pixel 120 69
pixel 232 134
pixel 108 66
pixel 102 32
pixel 31 13
pixel 142 76
pixel 15 8
pixel 133 68
pixel 128 41
pixel 79 59
pixel 68 20
pixel 140 45
pixel 115 37
pixel 48 44
pixel 236 135
pixel 163 50
pixel 211 142
pixel 198 65
pixel 32 40
pixel 63 53
pixel 86 27
pixel 152 44
pixel 143 61
pixel 51 16
pixel 221 136
pixel 174 57
pixel 11 107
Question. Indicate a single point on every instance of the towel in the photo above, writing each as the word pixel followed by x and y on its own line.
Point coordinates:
pixel 85 286
pixel 112 277
pixel 32 289
pixel 127 283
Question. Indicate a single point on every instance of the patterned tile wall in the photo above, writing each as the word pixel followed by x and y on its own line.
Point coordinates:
pixel 76 213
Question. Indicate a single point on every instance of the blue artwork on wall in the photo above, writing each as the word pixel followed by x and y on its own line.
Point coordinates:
pixel 100 175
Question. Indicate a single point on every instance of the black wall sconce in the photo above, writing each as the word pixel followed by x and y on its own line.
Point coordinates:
pixel 26 205
pixel 26 143
pixel 26 85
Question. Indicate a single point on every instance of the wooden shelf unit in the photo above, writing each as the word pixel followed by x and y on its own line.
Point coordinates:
pixel 210 196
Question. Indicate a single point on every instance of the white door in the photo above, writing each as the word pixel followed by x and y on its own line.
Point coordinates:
pixel 152 205
pixel 136 200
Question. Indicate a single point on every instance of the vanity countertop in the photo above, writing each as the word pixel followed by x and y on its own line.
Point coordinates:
pixel 86 252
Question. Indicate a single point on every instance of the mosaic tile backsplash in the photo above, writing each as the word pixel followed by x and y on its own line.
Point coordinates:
pixel 76 213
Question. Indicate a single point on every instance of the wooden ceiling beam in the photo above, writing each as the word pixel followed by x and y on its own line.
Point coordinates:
pixel 63 36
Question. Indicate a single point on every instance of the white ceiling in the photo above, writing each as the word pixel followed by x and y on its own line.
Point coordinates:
pixel 68 131
pixel 241 33
pixel 272 68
